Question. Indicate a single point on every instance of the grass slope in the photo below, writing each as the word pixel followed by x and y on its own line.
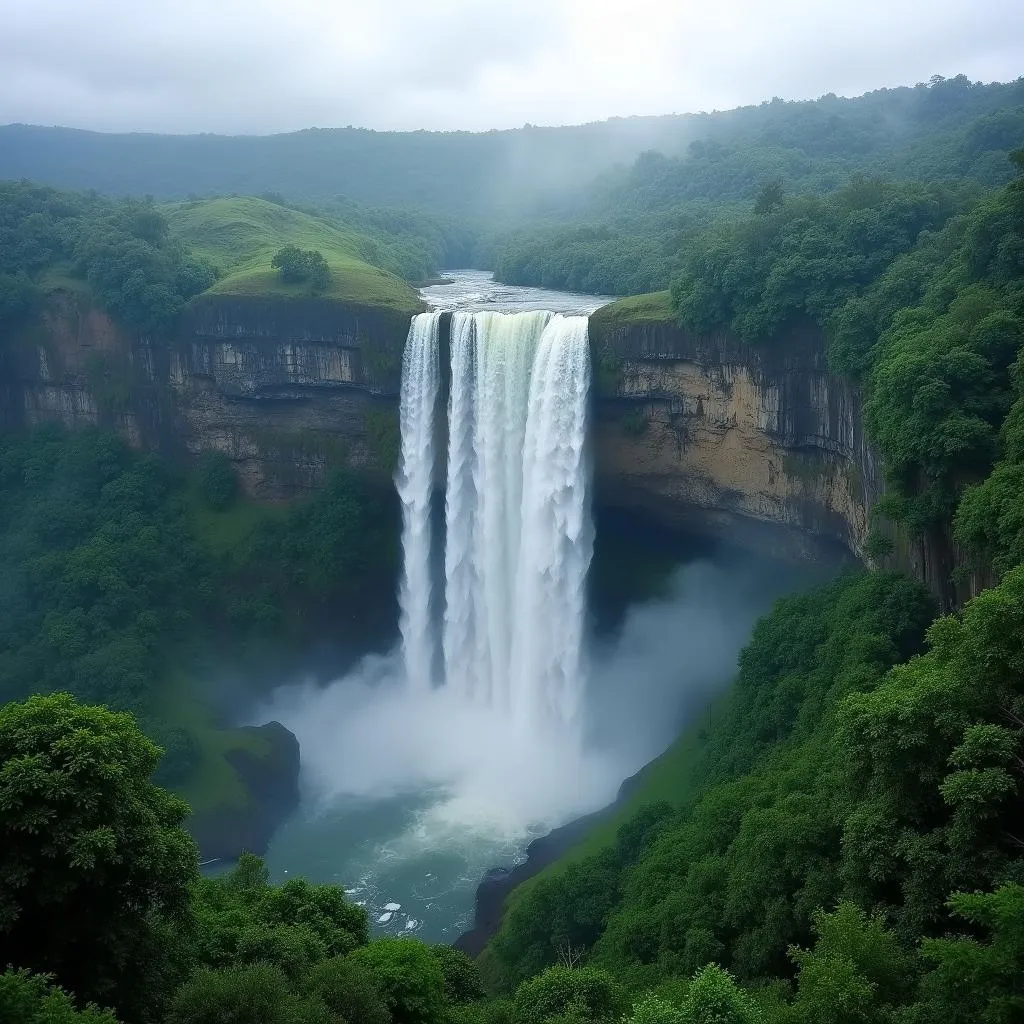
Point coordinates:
pixel 239 235
pixel 653 307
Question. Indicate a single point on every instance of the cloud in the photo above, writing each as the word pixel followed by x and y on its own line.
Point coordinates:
pixel 262 65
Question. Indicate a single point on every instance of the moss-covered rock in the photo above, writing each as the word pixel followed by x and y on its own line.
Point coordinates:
pixel 266 762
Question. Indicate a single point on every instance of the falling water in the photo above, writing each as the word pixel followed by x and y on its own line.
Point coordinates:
pixel 415 482
pixel 518 533
pixel 556 529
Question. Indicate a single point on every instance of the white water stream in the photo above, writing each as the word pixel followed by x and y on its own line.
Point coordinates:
pixel 518 534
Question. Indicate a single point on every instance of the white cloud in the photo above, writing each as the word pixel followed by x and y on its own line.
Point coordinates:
pixel 263 65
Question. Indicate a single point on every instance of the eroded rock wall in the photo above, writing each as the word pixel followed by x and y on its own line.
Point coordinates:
pixel 287 389
pixel 758 444
pixel 753 444
pixel 731 438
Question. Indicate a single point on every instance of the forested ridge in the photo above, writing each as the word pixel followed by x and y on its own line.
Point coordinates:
pixel 632 231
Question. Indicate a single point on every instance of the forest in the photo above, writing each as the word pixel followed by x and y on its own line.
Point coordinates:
pixel 632 230
pixel 838 842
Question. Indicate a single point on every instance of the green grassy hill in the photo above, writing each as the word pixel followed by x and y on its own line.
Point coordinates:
pixel 240 235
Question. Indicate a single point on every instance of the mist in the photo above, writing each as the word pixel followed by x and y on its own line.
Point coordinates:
pixel 368 737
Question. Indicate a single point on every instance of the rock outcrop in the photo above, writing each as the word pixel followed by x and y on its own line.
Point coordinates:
pixel 267 765
pixel 756 443
pixel 286 388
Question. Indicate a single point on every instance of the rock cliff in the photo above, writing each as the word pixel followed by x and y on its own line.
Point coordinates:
pixel 756 444
pixel 286 388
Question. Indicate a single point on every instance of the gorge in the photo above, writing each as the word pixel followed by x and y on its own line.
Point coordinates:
pixel 757 447
pixel 505 711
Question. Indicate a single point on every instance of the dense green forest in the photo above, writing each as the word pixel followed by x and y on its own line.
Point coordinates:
pixel 942 130
pixel 118 568
pixel 633 230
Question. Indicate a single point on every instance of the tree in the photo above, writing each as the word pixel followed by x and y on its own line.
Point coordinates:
pixel 976 982
pixel 590 994
pixel 855 973
pixel 297 265
pixel 714 998
pixel 461 977
pixel 27 998
pixel 94 862
pixel 653 1010
pixel 254 994
pixel 348 990
pixel 409 976
pixel 217 480
pixel 770 198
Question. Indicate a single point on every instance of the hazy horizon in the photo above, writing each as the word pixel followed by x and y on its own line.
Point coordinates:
pixel 486 131
pixel 255 68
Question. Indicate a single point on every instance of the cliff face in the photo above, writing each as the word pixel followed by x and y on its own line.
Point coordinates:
pixel 757 444
pixel 731 438
pixel 754 444
pixel 287 389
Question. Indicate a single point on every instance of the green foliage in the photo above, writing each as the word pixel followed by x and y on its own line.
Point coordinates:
pixel 27 998
pixel 654 1010
pixel 857 971
pixel 461 977
pixel 302 266
pixel 384 437
pixel 410 977
pixel 582 994
pixel 714 998
pixel 253 994
pixel 101 572
pixel 217 480
pixel 974 981
pixel 804 258
pixel 122 250
pixel 242 919
pixel 348 990
pixel 931 756
pixel 93 856
pixel 770 198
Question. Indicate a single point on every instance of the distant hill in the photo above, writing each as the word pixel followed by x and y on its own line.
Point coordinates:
pixel 531 171
pixel 240 235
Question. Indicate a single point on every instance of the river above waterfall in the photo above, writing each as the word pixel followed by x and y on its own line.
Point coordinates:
pixel 411 794
pixel 477 290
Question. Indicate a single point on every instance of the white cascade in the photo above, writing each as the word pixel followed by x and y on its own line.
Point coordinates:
pixel 518 535
pixel 557 530
pixel 415 483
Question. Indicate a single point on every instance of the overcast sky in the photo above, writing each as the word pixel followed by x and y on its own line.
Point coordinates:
pixel 277 65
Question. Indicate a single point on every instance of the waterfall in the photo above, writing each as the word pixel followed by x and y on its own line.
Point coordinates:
pixel 518 535
pixel 415 483
pixel 557 532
